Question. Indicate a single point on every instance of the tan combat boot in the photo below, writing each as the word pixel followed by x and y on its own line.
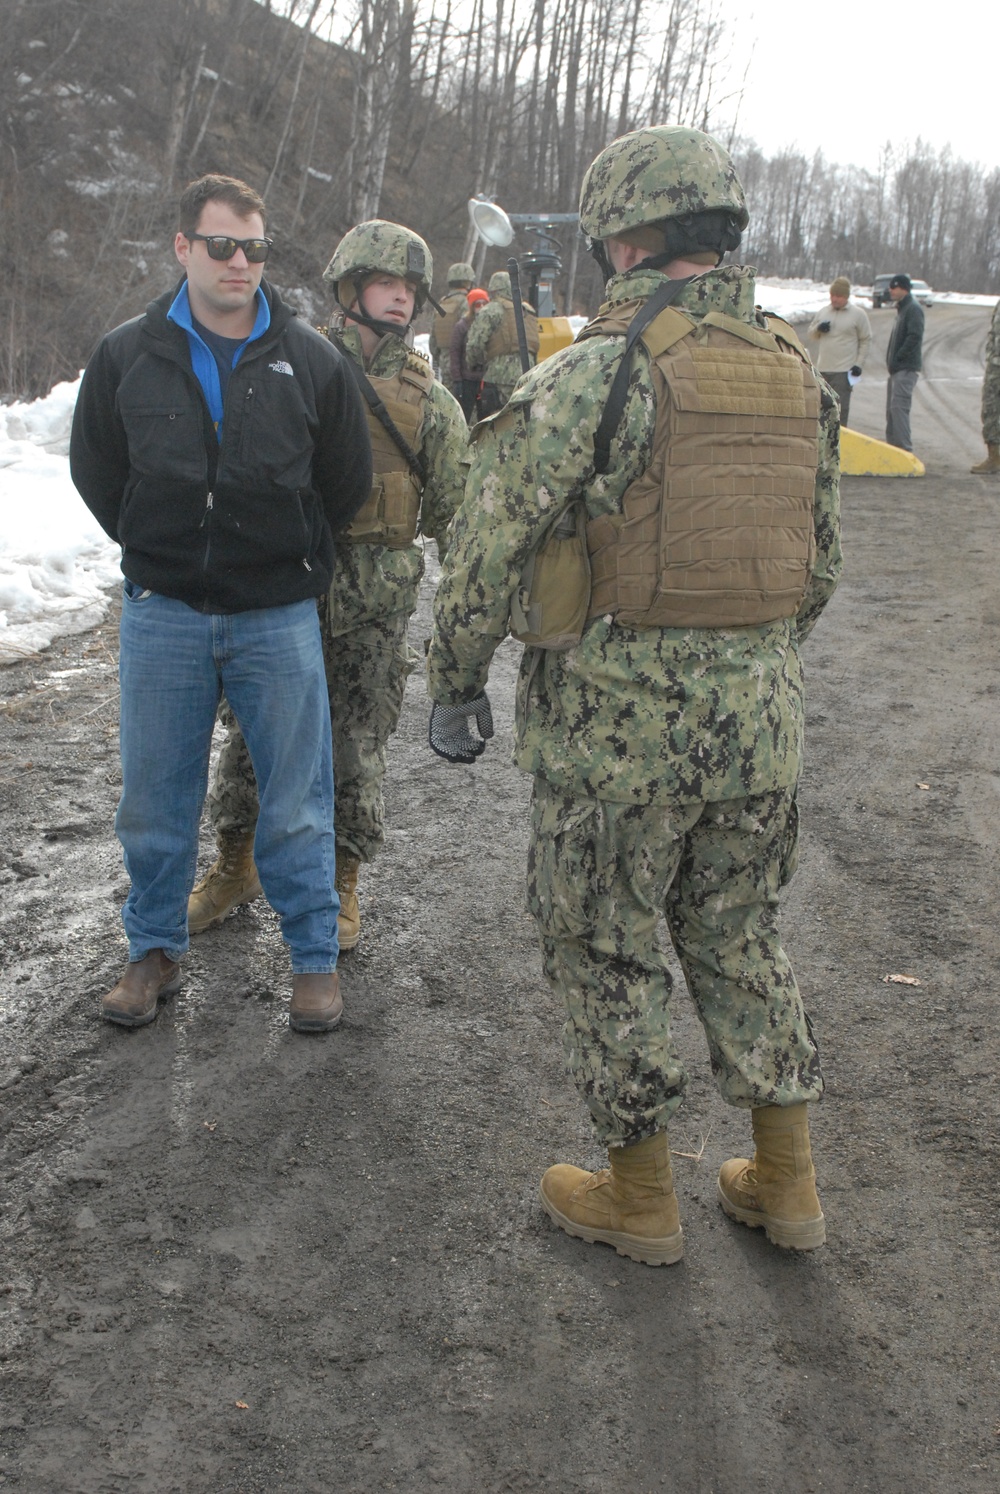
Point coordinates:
pixel 630 1205
pixel 230 882
pixel 346 883
pixel 777 1190
pixel 991 462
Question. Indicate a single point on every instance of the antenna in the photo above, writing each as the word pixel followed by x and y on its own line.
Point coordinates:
pixel 490 222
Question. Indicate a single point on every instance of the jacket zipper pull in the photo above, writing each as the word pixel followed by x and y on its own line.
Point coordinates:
pixel 208 509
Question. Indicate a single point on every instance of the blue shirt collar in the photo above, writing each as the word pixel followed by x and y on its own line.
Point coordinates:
pixel 203 361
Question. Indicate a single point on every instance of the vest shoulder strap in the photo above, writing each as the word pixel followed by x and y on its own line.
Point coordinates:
pixel 414 460
pixel 613 321
pixel 745 331
pixel 613 410
pixel 666 330
pixel 417 371
pixel 786 334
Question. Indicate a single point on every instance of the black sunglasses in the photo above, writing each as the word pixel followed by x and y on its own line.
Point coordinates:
pixel 219 247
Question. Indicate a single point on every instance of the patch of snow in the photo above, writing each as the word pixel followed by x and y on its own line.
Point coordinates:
pixel 793 299
pixel 56 563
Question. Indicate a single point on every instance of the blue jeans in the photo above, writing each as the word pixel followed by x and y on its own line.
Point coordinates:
pixel 174 665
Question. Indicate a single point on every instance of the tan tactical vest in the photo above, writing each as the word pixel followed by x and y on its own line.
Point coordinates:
pixel 455 306
pixel 389 517
pixel 718 531
pixel 504 339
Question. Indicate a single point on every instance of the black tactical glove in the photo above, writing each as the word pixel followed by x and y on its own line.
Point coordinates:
pixel 856 370
pixel 823 327
pixel 451 738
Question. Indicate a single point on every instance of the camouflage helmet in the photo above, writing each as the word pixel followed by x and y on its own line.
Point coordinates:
pixel 461 273
pixel 655 174
pixel 499 285
pixel 379 246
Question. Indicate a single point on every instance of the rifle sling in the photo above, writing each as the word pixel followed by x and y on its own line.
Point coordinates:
pixel 615 406
pixel 414 461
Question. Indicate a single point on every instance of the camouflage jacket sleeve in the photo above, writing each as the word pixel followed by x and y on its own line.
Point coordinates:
pixel 444 443
pixel 484 324
pixel 528 462
pixel 829 562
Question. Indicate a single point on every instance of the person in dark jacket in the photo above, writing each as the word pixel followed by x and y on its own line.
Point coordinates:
pixel 222 443
pixel 465 378
pixel 903 360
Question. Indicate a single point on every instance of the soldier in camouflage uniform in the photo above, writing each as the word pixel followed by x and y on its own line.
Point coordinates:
pixel 380 275
pixel 492 343
pixel 666 744
pixel 991 398
pixel 461 279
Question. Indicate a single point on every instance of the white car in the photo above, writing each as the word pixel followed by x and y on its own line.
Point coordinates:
pixel 921 291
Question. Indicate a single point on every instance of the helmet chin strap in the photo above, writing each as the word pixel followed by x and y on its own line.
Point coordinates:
pixel 600 256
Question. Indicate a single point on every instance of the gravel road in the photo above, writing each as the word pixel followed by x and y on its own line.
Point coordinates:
pixel 237 1259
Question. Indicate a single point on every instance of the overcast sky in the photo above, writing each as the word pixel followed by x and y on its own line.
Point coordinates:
pixel 847 77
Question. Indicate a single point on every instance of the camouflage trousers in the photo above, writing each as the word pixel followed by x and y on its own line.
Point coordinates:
pixel 600 875
pixel 366 672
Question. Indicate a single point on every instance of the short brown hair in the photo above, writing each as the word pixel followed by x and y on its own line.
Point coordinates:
pixel 212 188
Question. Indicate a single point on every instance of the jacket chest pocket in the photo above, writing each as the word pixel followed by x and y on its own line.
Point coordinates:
pixel 272 432
pixel 165 441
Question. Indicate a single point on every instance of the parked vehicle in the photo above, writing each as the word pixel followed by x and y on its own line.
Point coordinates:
pixel 920 291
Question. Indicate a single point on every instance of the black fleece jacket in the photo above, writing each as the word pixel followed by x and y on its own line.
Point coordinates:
pixel 907 337
pixel 227 527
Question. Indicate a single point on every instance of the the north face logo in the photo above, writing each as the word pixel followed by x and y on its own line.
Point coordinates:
pixel 281 367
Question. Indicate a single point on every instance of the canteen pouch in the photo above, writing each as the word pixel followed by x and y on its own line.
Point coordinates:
pixel 549 608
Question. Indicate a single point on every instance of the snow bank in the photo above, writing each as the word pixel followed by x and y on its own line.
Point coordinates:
pixel 56 562
pixel 793 299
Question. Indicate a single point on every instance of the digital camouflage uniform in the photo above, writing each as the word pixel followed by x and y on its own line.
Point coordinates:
pixel 991 383
pixel 503 372
pixel 364 624
pixel 665 760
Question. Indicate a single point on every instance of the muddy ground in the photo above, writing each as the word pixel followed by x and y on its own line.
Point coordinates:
pixel 237 1259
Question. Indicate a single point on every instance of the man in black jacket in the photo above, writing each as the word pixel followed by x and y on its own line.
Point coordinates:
pixel 904 361
pixel 222 443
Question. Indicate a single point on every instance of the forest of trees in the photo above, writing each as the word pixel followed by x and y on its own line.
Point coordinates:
pixel 340 110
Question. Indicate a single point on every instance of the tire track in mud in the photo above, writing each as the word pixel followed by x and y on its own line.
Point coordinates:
pixel 952 347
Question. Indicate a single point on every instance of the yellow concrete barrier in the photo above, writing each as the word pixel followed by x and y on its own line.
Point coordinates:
pixel 863 456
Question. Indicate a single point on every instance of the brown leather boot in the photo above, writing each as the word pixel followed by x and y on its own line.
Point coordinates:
pixel 230 882
pixel 631 1204
pixel 316 1003
pixel 132 1002
pixel 991 462
pixel 346 883
pixel 777 1190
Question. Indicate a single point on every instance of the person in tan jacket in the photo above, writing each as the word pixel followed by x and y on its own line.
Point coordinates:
pixel 843 336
